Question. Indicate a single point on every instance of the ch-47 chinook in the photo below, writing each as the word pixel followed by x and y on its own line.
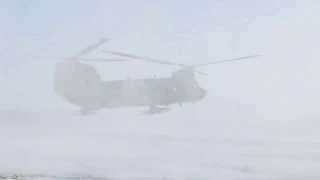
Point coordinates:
pixel 80 84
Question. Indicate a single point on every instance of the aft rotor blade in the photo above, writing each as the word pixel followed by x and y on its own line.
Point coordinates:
pixel 144 58
pixel 202 73
pixel 216 62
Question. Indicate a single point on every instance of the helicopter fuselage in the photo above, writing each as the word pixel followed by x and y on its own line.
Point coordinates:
pixel 80 84
pixel 147 92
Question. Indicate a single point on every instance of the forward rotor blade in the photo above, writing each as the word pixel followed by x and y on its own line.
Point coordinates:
pixel 92 47
pixel 216 62
pixel 143 58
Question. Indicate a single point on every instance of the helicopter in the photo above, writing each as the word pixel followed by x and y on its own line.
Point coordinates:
pixel 81 85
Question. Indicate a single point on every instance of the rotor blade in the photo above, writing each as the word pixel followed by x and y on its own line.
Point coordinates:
pixel 144 58
pixel 92 47
pixel 197 65
pixel 202 73
pixel 171 63
pixel 216 62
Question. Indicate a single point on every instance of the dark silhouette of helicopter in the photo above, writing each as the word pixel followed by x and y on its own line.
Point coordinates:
pixel 79 83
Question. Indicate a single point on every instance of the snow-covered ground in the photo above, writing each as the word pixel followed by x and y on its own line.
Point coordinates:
pixel 112 145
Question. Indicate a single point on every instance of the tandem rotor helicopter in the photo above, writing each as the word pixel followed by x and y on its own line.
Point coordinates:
pixel 80 84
